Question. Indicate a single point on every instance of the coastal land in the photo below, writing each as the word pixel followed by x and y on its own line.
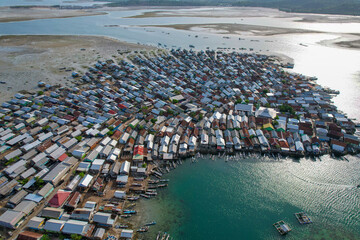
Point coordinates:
pixel 238 29
pixel 26 60
pixel 350 41
pixel 11 14
pixel 243 12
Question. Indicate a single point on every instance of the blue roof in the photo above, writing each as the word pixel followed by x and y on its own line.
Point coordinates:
pixel 34 197
pixel 29 183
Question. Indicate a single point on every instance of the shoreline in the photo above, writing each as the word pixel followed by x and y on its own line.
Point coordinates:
pixel 242 12
pixel 346 41
pixel 8 14
pixel 234 29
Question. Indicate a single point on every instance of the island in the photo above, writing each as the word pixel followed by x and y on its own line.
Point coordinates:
pixel 76 158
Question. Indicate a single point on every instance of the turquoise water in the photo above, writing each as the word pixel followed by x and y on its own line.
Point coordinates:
pixel 241 200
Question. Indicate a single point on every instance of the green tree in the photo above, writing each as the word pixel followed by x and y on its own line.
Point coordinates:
pixel 76 237
pixel 154 120
pixel 286 108
pixel 170 111
pixel 39 183
pixel 201 116
pixel 175 101
pixel 45 237
pixel 82 174
pixel 238 101
pixel 79 138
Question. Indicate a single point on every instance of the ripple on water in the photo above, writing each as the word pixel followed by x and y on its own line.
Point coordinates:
pixel 218 200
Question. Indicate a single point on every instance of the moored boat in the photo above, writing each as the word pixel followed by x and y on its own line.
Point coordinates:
pixel 143 229
pixel 151 223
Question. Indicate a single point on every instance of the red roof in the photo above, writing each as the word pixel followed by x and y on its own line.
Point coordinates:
pixel 112 112
pixel 138 150
pixel 59 198
pixel 63 157
pixel 122 106
pixel 27 235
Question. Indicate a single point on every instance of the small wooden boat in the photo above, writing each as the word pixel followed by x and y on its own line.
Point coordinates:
pixel 132 198
pixel 129 212
pixel 282 227
pixel 145 196
pixel 151 223
pixel 143 229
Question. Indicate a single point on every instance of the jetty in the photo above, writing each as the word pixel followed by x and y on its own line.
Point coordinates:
pixel 282 227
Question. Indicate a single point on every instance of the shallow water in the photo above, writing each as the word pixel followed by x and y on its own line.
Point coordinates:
pixel 6 3
pixel 242 199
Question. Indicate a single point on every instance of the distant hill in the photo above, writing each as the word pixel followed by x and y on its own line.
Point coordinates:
pixel 346 7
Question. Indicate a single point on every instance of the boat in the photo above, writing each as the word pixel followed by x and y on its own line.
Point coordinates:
pixel 132 198
pixel 282 227
pixel 129 212
pixel 151 223
pixel 192 46
pixel 303 218
pixel 143 229
pixel 121 226
pixel 145 196
pixel 125 216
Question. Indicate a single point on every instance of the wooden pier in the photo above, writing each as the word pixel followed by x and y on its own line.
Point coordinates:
pixel 303 218
pixel 282 227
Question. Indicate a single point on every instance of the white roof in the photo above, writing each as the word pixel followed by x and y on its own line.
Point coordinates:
pixel 86 181
pixel 54 225
pixel 35 222
pixel 101 217
pixel 119 194
pixel 90 205
pixel 126 233
pixel 74 227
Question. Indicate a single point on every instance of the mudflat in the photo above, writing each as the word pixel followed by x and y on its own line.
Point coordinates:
pixel 26 60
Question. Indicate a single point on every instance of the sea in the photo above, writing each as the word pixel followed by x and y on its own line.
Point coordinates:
pixel 242 198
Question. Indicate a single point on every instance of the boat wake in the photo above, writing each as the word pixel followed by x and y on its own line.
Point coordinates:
pixel 332 185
